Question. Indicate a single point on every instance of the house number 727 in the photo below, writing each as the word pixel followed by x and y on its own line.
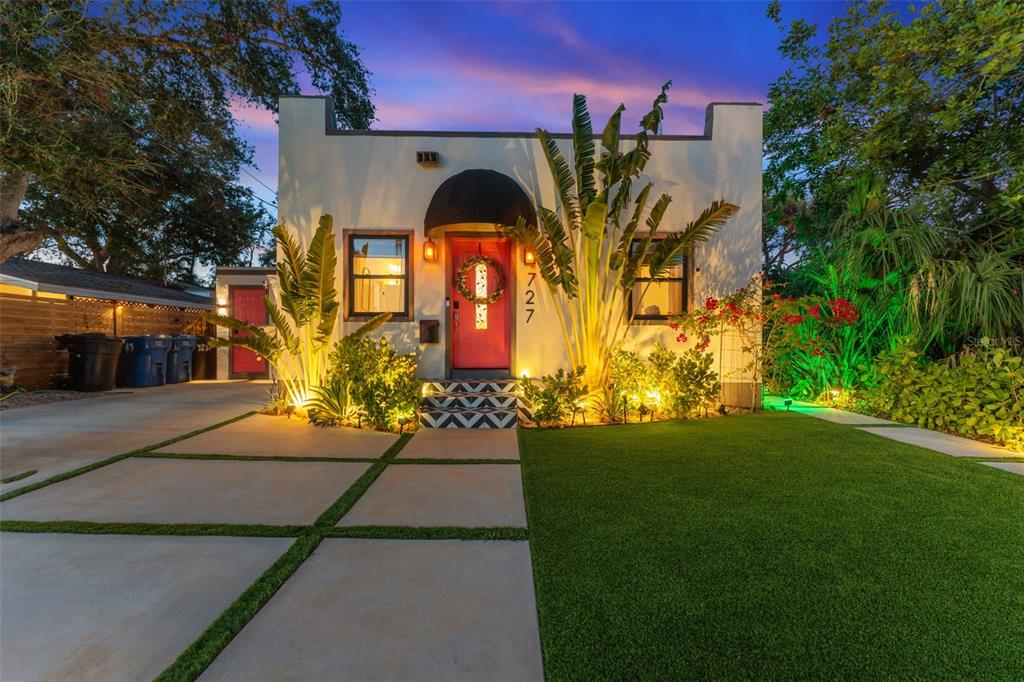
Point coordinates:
pixel 529 296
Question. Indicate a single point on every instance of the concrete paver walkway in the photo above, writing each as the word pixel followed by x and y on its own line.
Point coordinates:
pixel 466 495
pixel 941 442
pixel 60 437
pixel 1012 467
pixel 191 491
pixel 269 436
pixel 115 607
pixel 395 610
pixel 462 444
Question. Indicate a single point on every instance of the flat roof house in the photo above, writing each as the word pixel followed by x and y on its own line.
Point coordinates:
pixel 411 206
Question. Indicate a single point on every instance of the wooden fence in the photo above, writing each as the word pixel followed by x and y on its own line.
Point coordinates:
pixel 28 324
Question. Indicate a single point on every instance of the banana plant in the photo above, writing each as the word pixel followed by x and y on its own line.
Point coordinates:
pixel 297 343
pixel 591 253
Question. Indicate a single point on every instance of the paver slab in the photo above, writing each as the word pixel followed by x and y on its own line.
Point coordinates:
pixel 115 607
pixel 395 610
pixel 941 442
pixel 465 495
pixel 58 437
pixel 146 490
pixel 462 444
pixel 1012 467
pixel 266 435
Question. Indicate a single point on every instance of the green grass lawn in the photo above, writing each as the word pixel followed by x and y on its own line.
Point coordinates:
pixel 770 545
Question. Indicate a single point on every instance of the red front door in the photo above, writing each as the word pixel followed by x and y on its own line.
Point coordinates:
pixel 481 333
pixel 247 306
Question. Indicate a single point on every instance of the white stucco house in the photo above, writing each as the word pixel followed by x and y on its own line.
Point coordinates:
pixel 411 206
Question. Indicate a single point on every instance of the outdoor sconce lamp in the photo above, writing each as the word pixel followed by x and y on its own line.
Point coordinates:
pixel 529 257
pixel 429 251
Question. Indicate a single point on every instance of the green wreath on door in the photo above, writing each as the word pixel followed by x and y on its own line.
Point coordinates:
pixel 460 280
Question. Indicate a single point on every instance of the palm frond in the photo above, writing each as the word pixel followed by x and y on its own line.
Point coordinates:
pixel 370 325
pixel 281 326
pixel 583 151
pixel 609 165
pixel 561 252
pixel 318 278
pixel 290 266
pixel 670 250
pixel 651 122
pixel 622 252
pixel 562 175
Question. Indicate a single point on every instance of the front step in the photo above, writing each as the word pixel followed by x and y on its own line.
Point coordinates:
pixel 471 404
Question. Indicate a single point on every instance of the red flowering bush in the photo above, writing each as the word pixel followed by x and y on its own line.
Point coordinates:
pixel 799 346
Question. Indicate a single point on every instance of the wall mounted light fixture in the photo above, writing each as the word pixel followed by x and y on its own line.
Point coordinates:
pixel 529 257
pixel 429 251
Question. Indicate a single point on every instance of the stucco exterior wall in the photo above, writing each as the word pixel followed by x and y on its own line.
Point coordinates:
pixel 370 180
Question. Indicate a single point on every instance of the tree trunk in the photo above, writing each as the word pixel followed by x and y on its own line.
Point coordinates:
pixel 15 236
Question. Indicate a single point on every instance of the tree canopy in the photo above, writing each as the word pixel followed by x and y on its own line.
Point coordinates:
pixel 894 150
pixel 117 140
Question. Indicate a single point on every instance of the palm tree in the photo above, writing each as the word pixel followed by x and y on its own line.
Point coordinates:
pixel 303 320
pixel 591 253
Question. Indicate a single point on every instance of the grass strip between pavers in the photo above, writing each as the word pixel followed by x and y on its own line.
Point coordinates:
pixel 428 533
pixel 102 528
pixel 250 458
pixel 356 490
pixel 427 460
pixel 18 477
pixel 198 656
pixel 117 458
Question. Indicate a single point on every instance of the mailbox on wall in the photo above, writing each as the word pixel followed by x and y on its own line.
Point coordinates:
pixel 430 331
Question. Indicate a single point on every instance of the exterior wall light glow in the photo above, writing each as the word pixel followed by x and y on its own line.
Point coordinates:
pixel 429 251
pixel 529 257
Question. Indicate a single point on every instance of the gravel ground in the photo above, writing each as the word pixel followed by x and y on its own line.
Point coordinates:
pixel 29 398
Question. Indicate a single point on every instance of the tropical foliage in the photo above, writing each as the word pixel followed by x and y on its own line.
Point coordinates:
pixel 895 154
pixel 554 398
pixel 606 233
pixel 302 319
pixel 377 383
pixel 977 393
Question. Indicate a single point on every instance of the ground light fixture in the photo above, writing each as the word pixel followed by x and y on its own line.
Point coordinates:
pixel 429 251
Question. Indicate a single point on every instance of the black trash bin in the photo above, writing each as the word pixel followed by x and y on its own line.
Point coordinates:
pixel 144 361
pixel 179 358
pixel 92 360
pixel 204 360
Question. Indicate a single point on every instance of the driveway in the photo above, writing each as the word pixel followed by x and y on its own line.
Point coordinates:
pixel 262 549
pixel 58 437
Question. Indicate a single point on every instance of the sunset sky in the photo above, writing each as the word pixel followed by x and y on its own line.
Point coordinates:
pixel 513 66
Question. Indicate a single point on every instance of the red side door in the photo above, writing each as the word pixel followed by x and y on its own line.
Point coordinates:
pixel 481 334
pixel 247 306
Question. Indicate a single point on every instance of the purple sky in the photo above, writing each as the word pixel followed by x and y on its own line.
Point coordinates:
pixel 514 65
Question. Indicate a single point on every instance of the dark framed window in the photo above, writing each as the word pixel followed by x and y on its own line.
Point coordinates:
pixel 378 274
pixel 659 298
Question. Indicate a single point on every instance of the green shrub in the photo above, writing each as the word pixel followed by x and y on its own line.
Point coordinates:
pixel 555 397
pixel 978 393
pixel 371 379
pixel 695 385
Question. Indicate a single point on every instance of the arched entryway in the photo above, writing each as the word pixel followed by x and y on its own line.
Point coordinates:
pixel 466 211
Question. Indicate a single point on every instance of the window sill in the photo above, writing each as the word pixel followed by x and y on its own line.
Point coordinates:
pixel 359 317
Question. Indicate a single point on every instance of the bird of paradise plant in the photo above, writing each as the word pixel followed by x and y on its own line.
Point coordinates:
pixel 591 254
pixel 302 320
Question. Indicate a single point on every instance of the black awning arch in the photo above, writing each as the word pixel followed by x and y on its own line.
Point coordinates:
pixel 478 196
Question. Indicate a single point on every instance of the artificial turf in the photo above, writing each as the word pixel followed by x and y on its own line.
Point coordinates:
pixel 770 546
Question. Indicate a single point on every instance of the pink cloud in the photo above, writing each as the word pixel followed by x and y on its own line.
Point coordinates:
pixel 253 116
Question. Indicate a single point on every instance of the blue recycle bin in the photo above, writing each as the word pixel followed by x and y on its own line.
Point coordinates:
pixel 179 358
pixel 144 360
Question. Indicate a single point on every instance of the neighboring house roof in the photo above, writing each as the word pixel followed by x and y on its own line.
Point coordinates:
pixel 61 279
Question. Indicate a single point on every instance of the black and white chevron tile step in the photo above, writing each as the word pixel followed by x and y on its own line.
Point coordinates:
pixel 472 386
pixel 471 400
pixel 461 418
